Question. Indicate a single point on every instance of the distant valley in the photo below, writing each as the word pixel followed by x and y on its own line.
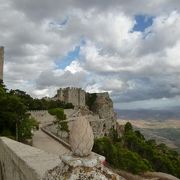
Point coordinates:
pixel 145 114
pixel 162 125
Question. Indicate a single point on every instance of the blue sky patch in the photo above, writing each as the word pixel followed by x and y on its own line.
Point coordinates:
pixel 142 22
pixel 71 56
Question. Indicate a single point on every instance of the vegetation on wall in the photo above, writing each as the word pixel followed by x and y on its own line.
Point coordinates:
pixel 90 99
pixel 60 116
pixel 132 152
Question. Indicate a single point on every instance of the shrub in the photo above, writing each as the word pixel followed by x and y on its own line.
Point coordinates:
pixel 132 152
pixel 60 116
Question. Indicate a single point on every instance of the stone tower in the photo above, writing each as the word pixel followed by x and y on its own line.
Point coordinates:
pixel 1 62
pixel 73 95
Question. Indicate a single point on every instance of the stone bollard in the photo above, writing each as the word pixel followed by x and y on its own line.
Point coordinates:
pixel 81 137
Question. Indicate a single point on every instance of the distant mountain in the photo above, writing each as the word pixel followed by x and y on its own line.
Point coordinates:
pixel 149 114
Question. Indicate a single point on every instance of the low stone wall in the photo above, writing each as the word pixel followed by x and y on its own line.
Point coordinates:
pixel 42 116
pixel 23 162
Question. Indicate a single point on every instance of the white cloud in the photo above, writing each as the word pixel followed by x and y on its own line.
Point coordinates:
pixel 74 67
pixel 133 66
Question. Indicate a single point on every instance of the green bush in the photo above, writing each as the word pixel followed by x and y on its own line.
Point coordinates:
pixel 26 128
pixel 132 152
pixel 120 157
pixel 90 100
pixel 60 116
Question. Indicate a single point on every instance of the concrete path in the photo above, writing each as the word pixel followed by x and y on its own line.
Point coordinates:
pixel 42 141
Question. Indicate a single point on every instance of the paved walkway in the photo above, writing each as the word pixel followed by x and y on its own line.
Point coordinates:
pixel 42 141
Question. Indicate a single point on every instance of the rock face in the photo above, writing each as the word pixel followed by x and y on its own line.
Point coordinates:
pixel 103 106
pixel 81 137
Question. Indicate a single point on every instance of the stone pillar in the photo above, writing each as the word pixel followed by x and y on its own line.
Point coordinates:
pixel 1 62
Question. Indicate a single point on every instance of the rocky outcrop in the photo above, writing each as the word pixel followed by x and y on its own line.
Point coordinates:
pixel 103 106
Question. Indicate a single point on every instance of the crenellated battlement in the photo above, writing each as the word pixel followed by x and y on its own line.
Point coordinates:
pixel 73 95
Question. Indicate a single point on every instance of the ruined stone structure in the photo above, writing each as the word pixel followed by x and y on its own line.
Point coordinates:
pixel 76 96
pixel 1 62
pixel 97 107
pixel 102 106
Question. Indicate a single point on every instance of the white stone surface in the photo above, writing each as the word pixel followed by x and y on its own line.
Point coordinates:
pixel 23 162
pixel 81 137
pixel 90 161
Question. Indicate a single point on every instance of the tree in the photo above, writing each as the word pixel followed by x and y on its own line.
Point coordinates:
pixel 13 114
pixel 136 154
pixel 128 127
pixel 26 127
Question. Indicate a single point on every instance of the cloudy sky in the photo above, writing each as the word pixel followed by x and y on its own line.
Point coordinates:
pixel 130 48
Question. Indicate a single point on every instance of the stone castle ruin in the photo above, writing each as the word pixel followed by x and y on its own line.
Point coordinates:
pixel 97 107
pixel 76 96
pixel 1 62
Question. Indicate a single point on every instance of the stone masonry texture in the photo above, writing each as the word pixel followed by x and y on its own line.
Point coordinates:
pixel 76 96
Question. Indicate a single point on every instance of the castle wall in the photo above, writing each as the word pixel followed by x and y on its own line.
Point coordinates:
pixel 102 106
pixel 82 98
pixel 42 116
pixel 73 96
pixel 76 96
pixel 1 62
pixel 60 95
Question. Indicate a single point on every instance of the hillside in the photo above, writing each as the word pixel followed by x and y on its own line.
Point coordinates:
pixel 161 125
